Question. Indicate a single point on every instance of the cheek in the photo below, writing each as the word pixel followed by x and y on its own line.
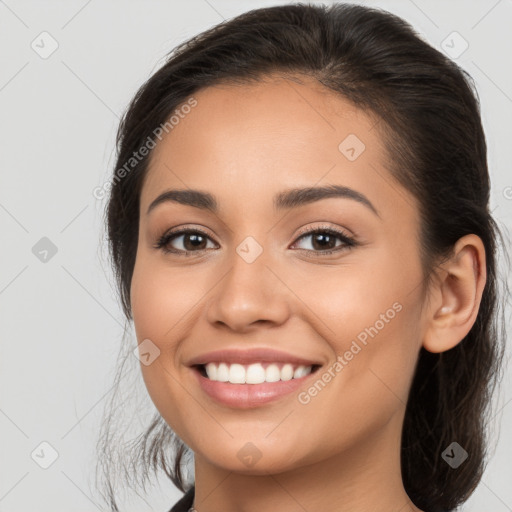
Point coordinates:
pixel 346 301
pixel 162 298
pixel 369 379
pixel 156 309
pixel 160 301
pixel 370 316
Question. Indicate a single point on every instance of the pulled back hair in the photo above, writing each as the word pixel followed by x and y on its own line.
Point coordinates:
pixel 429 118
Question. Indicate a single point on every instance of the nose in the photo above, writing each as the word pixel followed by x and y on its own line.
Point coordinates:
pixel 249 294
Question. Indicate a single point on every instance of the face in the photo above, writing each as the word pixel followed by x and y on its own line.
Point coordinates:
pixel 273 280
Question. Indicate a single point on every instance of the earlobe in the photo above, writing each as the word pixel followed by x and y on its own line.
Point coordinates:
pixel 459 293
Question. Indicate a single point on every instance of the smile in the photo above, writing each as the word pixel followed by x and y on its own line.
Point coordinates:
pixel 255 373
pixel 251 394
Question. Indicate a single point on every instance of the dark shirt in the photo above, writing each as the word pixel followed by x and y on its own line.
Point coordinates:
pixel 185 502
pixel 188 499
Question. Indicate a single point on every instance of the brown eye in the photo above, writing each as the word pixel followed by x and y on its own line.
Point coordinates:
pixel 324 240
pixel 190 240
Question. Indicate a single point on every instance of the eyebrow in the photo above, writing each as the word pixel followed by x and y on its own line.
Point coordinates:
pixel 288 199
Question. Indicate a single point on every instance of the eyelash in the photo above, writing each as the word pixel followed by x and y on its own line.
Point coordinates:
pixel 348 241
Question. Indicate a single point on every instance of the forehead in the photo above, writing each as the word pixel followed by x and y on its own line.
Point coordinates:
pixel 262 137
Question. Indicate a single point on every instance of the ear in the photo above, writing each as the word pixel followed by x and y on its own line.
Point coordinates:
pixel 456 295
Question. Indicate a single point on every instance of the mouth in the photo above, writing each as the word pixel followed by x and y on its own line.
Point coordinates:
pixel 252 377
pixel 254 373
pixel 239 386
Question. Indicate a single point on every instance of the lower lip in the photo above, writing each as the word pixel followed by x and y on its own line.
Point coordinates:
pixel 246 396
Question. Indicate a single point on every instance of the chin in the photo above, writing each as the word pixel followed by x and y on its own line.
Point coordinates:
pixel 257 458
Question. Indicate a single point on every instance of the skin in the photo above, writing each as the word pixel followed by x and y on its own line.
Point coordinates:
pixel 244 144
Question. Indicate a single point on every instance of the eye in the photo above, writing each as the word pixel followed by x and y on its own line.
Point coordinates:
pixel 193 240
pixel 324 239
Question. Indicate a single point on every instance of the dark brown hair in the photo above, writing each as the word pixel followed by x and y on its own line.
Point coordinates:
pixel 429 117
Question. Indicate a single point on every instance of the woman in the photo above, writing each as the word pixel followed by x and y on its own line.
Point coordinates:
pixel 300 229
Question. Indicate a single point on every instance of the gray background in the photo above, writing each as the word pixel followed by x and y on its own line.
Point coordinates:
pixel 61 324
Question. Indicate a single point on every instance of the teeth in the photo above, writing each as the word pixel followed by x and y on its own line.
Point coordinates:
pixel 254 373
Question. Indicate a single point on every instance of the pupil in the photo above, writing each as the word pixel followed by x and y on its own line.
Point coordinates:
pixel 196 240
pixel 325 238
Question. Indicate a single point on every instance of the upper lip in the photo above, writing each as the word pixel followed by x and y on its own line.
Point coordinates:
pixel 248 356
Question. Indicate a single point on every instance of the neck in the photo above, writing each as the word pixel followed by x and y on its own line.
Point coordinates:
pixel 360 478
